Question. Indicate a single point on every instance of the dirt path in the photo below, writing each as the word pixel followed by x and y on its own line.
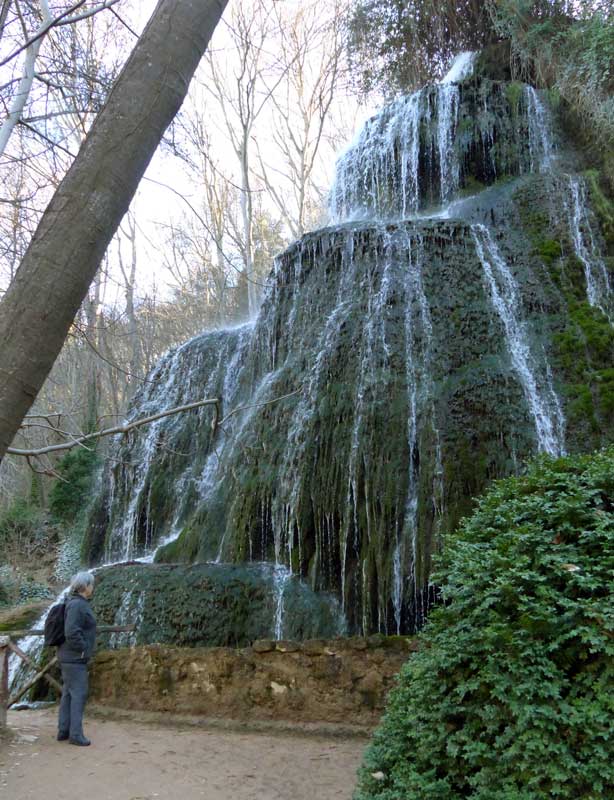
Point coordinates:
pixel 132 760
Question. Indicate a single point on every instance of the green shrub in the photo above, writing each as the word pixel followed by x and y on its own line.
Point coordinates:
pixel 21 528
pixel 510 696
pixel 70 494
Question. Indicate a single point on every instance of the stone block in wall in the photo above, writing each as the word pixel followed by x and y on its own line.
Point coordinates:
pixel 287 647
pixel 262 646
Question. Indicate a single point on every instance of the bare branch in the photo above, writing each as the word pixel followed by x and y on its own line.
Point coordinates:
pixel 112 431
pixel 62 19
pixel 257 405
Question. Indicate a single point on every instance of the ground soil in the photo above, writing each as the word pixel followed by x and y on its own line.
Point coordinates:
pixel 133 758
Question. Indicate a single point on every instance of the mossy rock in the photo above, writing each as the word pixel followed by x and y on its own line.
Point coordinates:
pixel 209 605
pixel 19 618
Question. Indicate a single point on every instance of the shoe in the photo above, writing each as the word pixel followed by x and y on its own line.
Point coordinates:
pixel 81 741
pixel 62 737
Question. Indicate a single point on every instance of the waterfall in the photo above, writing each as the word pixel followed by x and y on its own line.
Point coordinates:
pixel 543 403
pixel 129 612
pixel 448 98
pixel 281 576
pixel 419 372
pixel 415 153
pixel 379 175
pixel 369 398
pixel 203 367
pixel 598 288
pixel 410 523
pixel 540 132
pixel 461 67
pixel 366 176
pixel 19 671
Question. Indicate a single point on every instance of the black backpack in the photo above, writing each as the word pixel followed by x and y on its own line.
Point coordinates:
pixel 54 625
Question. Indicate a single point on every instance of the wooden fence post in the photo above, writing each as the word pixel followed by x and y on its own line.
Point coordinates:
pixel 4 679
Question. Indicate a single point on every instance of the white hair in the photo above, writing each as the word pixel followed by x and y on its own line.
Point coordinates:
pixel 81 581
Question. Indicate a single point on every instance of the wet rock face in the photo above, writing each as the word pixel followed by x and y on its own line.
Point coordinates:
pixel 209 605
pixel 394 369
pixel 425 148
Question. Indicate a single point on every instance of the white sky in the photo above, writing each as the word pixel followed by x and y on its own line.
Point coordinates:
pixel 157 207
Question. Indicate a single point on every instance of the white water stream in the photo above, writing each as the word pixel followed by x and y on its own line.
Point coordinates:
pixel 598 286
pixel 541 398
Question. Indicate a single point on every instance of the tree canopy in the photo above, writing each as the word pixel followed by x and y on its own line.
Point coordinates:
pixel 400 44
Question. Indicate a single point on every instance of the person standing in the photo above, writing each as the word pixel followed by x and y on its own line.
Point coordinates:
pixel 74 655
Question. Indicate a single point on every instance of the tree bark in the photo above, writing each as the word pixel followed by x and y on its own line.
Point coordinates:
pixel 4 679
pixel 84 213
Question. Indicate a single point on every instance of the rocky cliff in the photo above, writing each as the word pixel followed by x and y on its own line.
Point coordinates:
pixel 454 320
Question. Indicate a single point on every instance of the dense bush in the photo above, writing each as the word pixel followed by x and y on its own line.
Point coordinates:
pixel 22 530
pixel 70 494
pixel 510 696
pixel 575 57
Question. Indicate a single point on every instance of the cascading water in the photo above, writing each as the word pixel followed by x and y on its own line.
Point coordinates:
pixel 397 364
pixel 598 286
pixel 542 400
pixel 541 147
pixel 183 374
pixel 461 68
pixel 282 576
pixel 448 98
pixel 130 612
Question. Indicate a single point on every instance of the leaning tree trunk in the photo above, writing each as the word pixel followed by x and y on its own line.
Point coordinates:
pixel 85 211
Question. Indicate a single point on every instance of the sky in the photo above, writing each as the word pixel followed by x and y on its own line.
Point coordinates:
pixel 156 207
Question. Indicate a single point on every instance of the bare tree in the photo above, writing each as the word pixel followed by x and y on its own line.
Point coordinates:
pixel 240 89
pixel 32 45
pixel 128 232
pixel 310 49
pixel 86 209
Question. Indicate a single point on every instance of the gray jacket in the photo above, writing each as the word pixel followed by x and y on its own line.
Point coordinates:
pixel 79 630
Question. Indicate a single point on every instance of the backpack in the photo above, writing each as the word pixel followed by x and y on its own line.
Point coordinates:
pixel 54 625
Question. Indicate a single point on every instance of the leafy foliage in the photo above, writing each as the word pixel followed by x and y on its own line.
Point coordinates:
pixel 400 44
pixel 68 495
pixel 570 49
pixel 510 697
pixel 22 532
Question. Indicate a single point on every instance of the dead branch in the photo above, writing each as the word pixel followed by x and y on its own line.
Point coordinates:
pixel 111 431
pixel 256 405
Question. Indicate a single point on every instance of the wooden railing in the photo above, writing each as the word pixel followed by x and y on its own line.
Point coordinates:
pixel 8 646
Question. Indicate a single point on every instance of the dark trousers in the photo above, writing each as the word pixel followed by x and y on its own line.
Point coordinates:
pixel 74 695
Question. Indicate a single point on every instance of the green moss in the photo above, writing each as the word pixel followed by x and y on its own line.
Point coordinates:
pixel 471 186
pixel 584 351
pixel 554 98
pixel 209 605
pixel 603 206
pixel 21 617
pixel 182 550
pixel 514 92
pixel 548 250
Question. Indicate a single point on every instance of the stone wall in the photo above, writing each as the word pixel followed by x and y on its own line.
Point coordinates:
pixel 342 681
